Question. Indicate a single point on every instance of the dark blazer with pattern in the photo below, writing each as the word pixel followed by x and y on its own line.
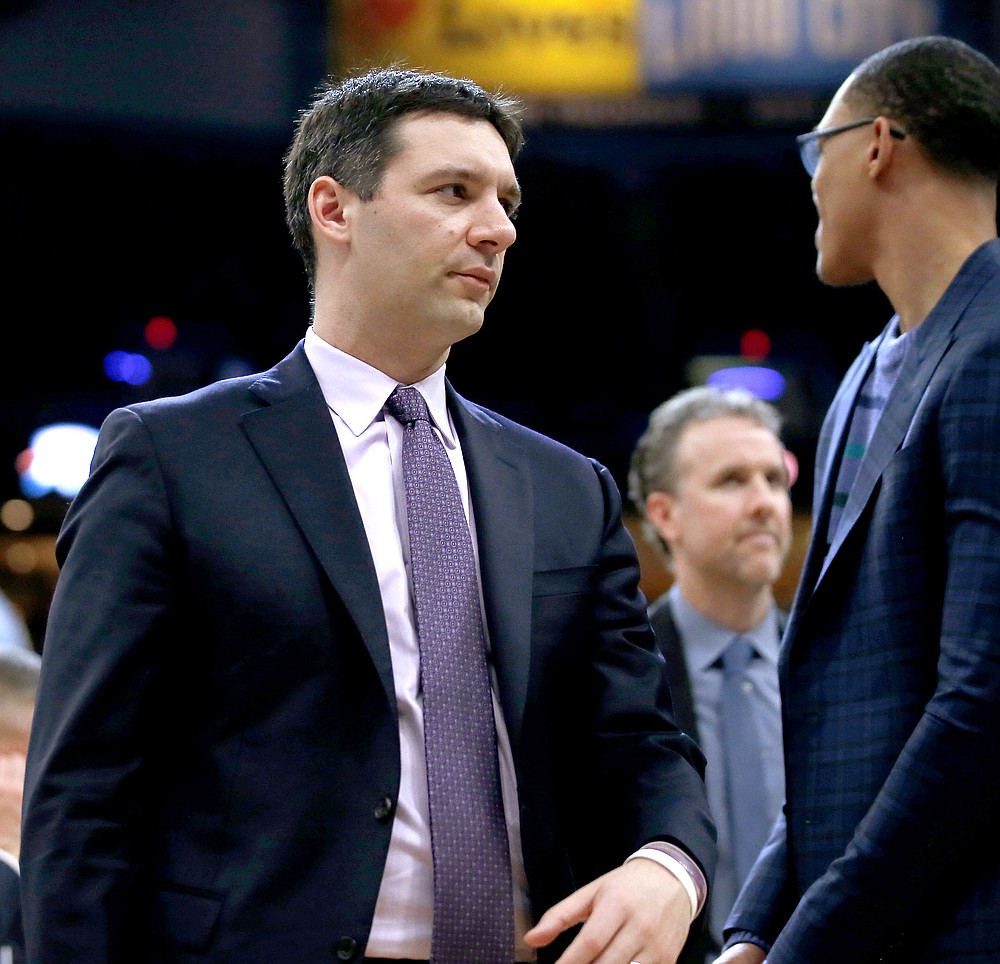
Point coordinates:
pixel 668 638
pixel 216 737
pixel 890 671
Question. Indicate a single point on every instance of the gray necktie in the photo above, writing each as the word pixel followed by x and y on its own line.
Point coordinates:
pixel 746 791
pixel 473 899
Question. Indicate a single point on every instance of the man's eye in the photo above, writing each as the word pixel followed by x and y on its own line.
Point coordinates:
pixel 455 190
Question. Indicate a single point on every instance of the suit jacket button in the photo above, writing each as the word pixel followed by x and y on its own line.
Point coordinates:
pixel 347 947
pixel 383 809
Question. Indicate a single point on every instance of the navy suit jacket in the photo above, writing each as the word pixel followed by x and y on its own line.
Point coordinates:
pixel 215 751
pixel 890 670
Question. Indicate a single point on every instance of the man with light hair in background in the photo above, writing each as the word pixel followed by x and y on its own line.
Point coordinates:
pixel 711 477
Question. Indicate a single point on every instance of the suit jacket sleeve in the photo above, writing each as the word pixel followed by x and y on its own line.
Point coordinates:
pixel 85 771
pixel 655 778
pixel 602 767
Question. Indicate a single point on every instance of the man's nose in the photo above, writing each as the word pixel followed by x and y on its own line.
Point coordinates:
pixel 493 227
pixel 763 495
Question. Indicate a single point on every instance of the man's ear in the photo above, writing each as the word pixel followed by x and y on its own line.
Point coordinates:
pixel 881 148
pixel 660 511
pixel 329 208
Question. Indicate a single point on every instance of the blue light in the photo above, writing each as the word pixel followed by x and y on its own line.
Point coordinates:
pixel 128 367
pixel 113 362
pixel 765 383
pixel 59 460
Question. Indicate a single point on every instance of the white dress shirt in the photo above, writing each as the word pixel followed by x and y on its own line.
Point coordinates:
pixel 372 443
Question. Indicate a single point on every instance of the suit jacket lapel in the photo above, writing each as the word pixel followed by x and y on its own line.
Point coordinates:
pixel 296 440
pixel 833 435
pixel 918 367
pixel 502 506
pixel 668 638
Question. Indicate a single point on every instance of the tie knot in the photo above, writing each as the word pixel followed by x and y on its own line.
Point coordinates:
pixel 737 656
pixel 407 405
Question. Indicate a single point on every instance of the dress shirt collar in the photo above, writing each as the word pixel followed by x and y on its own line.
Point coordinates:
pixel 705 640
pixel 357 392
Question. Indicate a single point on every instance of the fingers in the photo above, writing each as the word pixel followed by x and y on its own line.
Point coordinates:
pixel 742 954
pixel 638 912
pixel 604 940
pixel 568 912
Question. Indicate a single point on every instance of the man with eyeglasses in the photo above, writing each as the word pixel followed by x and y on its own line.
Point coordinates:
pixel 889 845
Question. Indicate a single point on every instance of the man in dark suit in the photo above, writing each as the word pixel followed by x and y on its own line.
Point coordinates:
pixel 227 762
pixel 889 849
pixel 711 476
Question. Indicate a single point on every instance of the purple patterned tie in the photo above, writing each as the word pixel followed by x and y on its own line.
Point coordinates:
pixel 473 899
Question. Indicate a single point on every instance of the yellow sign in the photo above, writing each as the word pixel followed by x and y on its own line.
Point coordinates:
pixel 526 47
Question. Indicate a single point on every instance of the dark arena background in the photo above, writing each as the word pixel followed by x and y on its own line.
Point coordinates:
pixel 666 233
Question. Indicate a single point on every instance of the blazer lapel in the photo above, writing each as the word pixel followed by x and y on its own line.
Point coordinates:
pixel 296 440
pixel 668 638
pixel 831 443
pixel 918 367
pixel 834 434
pixel 502 506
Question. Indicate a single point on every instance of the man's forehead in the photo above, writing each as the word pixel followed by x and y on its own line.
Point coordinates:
pixel 731 437
pixel 726 423
pixel 436 144
pixel 447 134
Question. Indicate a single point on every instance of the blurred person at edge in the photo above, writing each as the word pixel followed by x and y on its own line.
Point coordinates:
pixel 711 478
pixel 19 672
pixel 889 846
pixel 13 628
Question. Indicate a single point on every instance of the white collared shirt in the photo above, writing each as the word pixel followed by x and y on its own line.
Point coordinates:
pixel 356 393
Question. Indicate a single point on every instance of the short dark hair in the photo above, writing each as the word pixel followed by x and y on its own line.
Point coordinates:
pixel 347 133
pixel 945 95
pixel 653 465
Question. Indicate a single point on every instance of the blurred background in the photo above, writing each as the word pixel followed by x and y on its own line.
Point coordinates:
pixel 665 239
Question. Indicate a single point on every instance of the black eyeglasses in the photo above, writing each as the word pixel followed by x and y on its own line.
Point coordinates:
pixel 809 143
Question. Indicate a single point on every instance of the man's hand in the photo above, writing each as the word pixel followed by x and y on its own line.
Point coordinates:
pixel 637 912
pixel 741 954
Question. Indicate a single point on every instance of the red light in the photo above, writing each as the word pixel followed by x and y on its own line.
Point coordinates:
pixel 23 461
pixel 161 332
pixel 755 344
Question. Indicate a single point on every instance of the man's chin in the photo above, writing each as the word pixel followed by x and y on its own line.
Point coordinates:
pixel 466 322
pixel 762 571
pixel 840 277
